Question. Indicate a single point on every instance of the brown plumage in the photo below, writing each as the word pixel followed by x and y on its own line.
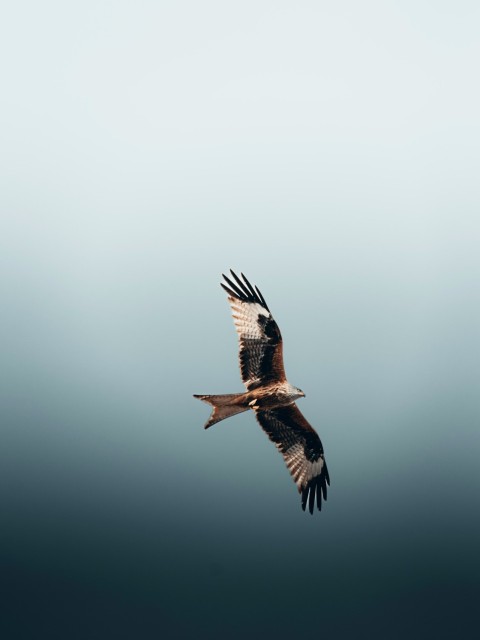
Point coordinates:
pixel 269 393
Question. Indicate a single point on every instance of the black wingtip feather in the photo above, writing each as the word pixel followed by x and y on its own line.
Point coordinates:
pixel 324 490
pixel 311 501
pixel 252 290
pixel 229 291
pixel 313 492
pixel 240 283
pixel 319 494
pixel 238 292
pixel 243 291
pixel 262 299
pixel 246 287
pixel 304 497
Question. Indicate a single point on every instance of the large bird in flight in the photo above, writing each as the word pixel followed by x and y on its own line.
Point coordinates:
pixel 269 393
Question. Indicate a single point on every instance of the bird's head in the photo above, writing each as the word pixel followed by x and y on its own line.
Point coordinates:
pixel 292 392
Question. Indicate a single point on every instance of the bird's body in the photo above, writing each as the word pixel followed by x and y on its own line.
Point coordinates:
pixel 266 397
pixel 269 393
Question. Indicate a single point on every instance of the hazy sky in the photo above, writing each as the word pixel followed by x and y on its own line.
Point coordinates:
pixel 329 150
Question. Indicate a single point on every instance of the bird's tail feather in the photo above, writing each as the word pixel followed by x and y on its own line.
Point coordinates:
pixel 224 406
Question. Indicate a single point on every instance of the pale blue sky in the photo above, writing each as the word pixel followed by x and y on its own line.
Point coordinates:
pixel 331 152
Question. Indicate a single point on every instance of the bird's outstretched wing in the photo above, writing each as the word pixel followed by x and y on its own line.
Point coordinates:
pixel 261 349
pixel 301 449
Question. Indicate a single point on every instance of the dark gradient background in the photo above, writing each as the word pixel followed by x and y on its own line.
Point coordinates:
pixel 331 152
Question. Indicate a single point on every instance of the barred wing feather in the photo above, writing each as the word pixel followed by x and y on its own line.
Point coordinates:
pixel 261 347
pixel 301 449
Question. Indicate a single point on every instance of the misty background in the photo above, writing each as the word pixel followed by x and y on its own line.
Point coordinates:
pixel 330 151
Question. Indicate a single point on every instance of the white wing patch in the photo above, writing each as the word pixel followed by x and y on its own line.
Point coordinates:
pixel 302 470
pixel 245 317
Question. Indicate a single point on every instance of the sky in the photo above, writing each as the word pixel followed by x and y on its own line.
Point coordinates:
pixel 330 151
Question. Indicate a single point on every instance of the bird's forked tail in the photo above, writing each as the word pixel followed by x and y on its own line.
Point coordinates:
pixel 224 406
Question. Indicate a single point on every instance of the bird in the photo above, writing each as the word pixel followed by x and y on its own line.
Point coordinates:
pixel 269 394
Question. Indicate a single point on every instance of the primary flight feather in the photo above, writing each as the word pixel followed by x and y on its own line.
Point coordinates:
pixel 269 393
